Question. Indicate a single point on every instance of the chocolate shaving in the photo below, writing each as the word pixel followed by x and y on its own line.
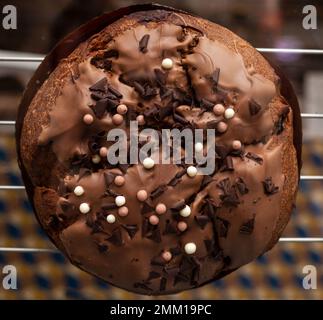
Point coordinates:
pixel 158 192
pixel 269 187
pixel 222 227
pixel 202 220
pixel 162 285
pixel 209 209
pixel 180 119
pixel 116 237
pixel 228 164
pixel 101 63
pixel 112 53
pixel 143 43
pixel 160 77
pixel 229 196
pixel 115 92
pixel 254 107
pixel 150 231
pixel 279 124
pixel 132 229
pixel 109 206
pixel 179 206
pixel 241 186
pixel 254 157
pixel 247 227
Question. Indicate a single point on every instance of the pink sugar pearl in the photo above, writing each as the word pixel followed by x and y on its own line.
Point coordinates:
pixel 117 119
pixel 88 119
pixel 123 211
pixel 142 195
pixel 182 226
pixel 218 109
pixel 119 181
pixel 153 220
pixel 141 120
pixel 222 126
pixel 122 109
pixel 236 145
pixel 167 256
pixel 160 208
pixel 103 152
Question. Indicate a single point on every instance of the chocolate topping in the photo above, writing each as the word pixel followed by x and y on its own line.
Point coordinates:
pixel 125 244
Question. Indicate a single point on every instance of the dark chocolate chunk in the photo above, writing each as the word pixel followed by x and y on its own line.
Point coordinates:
pixel 101 63
pixel 112 53
pixel 146 208
pixel 153 275
pixel 116 237
pixel 109 206
pixel 170 228
pixel 143 43
pixel 222 227
pixel 254 107
pixel 269 186
pixel 241 186
pixel 180 119
pixel 202 220
pixel 101 85
pixel 102 247
pixel 108 178
pixel 179 205
pixel 228 164
pixel 115 92
pixel 100 108
pixel 162 285
pixel 247 227
pixel 154 234
pixel 209 209
pixel 229 196
pixel 139 88
pixel 158 192
pixel 132 229
pixel 254 157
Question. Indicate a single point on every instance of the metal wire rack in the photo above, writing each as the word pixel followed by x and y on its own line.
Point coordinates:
pixel 21 59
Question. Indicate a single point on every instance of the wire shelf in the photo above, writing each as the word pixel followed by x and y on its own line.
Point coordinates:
pixel 263 50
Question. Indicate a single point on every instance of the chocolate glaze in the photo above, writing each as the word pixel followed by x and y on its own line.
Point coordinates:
pixel 234 213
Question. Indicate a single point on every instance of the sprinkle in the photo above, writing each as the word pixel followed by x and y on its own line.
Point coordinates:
pixel 185 212
pixel 117 119
pixel 142 195
pixel 182 226
pixel 119 181
pixel 229 113
pixel 120 201
pixel 190 248
pixel 154 220
pixel 191 171
pixel 167 63
pixel 143 43
pixel 84 207
pixel 148 163
pixel 123 211
pixel 141 120
pixel 111 218
pixel 198 147
pixel 218 109
pixel 222 127
pixel 122 109
pixel 78 191
pixel 88 119
pixel 236 145
pixel 160 208
pixel 167 256
pixel 103 152
pixel 96 159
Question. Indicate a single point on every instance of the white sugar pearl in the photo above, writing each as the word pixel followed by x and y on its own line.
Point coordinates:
pixel 185 212
pixel 96 159
pixel 84 207
pixel 111 218
pixel 191 171
pixel 190 248
pixel 78 191
pixel 167 63
pixel 148 163
pixel 120 201
pixel 198 147
pixel 229 113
